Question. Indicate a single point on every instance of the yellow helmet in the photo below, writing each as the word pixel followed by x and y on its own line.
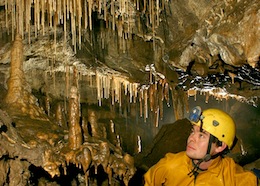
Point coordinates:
pixel 218 123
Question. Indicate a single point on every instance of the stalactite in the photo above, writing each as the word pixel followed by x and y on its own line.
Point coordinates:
pixel 140 95
pixel 79 22
pixel 145 104
pixel 67 80
pixel 135 92
pixel 130 86
pixel 13 19
pixel 151 96
pixel 186 101
pixel 207 97
pixel 150 11
pixel 64 21
pixel 116 89
pixel 78 12
pixel 120 94
pixel 113 14
pixel 161 97
pixel 157 114
pixel 98 88
pixel 175 103
pixel 166 93
pixel 90 13
pixel 6 15
pixel 232 76
pixel 157 12
pixel 153 24
pixel 113 91
pixel 55 31
pixel 42 16
pixel 192 92
pixel 20 18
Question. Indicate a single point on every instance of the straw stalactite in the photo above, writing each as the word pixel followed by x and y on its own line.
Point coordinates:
pixel 119 14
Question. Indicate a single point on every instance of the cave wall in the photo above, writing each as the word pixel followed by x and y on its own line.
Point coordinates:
pixel 140 79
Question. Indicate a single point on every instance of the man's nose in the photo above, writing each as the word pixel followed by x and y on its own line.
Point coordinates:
pixel 194 136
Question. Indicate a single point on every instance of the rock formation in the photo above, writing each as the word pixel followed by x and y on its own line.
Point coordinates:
pixel 84 85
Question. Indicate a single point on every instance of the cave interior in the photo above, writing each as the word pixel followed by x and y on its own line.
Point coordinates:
pixel 96 92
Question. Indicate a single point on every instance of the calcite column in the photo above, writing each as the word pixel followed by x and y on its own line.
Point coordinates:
pixel 19 97
pixel 75 133
pixel 16 81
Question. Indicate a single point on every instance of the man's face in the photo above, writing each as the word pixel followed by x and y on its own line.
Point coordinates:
pixel 197 143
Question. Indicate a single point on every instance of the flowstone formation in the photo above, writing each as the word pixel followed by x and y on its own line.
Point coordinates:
pixel 31 139
pixel 18 95
pixel 150 60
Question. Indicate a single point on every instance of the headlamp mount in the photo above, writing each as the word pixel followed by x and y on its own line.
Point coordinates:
pixel 195 114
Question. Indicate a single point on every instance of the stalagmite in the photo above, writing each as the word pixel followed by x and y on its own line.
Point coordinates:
pixel 118 143
pixel 59 115
pixel 112 126
pixel 85 130
pixel 95 129
pixel 139 144
pixel 75 134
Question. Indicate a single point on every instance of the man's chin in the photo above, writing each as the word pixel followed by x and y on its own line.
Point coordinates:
pixel 192 156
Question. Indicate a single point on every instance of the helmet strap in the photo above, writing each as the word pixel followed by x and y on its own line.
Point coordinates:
pixel 206 158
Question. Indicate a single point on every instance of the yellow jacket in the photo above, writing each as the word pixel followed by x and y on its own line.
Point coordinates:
pixel 173 170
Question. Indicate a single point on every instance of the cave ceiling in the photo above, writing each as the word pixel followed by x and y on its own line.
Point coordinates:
pixel 114 52
pixel 184 42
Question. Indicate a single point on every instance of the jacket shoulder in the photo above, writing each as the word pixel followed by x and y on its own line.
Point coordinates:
pixel 181 156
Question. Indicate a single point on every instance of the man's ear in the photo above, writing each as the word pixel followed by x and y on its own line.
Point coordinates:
pixel 221 147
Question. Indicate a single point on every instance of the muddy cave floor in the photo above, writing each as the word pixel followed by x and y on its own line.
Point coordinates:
pixel 20 144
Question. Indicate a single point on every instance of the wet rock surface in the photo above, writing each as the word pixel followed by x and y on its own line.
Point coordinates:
pixel 129 81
